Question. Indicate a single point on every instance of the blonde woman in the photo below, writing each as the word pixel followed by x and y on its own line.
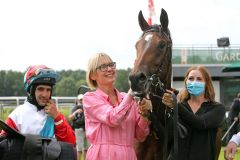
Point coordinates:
pixel 112 120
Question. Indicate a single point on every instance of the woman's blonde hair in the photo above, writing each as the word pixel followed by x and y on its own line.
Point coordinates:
pixel 209 89
pixel 93 63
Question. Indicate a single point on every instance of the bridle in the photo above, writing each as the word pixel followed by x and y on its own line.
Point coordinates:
pixel 154 85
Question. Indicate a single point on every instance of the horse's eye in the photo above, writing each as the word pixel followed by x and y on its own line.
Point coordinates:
pixel 161 45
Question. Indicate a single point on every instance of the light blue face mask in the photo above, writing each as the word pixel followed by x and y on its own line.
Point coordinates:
pixel 195 88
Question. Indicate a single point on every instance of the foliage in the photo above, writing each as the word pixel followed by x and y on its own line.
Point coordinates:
pixel 70 82
pixel 122 80
pixel 11 82
pixel 66 87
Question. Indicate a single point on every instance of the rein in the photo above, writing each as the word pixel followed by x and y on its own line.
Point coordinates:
pixel 155 81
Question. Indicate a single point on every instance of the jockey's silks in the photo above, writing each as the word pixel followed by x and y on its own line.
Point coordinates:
pixel 30 121
pixel 48 129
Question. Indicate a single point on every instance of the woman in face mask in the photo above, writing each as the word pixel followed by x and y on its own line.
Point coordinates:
pixel 200 114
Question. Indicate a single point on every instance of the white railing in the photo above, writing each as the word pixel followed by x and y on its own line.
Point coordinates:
pixel 16 101
pixel 7 103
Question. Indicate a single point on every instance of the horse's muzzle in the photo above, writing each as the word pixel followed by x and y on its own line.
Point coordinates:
pixel 138 83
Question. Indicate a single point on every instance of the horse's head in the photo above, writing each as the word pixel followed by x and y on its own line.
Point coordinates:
pixel 153 65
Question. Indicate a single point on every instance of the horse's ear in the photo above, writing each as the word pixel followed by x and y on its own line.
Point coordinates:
pixel 142 22
pixel 164 20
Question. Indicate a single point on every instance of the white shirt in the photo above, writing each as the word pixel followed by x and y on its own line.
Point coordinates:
pixel 27 119
pixel 236 138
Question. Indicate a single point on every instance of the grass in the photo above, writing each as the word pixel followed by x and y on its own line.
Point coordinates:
pixel 221 156
pixel 5 112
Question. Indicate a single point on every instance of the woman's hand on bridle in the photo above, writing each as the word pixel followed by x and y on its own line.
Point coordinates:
pixel 145 106
pixel 167 99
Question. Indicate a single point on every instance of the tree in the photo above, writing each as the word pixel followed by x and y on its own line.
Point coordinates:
pixel 66 87
pixel 11 82
pixel 2 80
pixel 122 80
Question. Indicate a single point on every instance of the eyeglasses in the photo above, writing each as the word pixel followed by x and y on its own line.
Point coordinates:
pixel 104 67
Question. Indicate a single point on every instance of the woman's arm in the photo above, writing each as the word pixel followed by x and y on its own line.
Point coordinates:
pixel 141 111
pixel 210 119
pixel 100 110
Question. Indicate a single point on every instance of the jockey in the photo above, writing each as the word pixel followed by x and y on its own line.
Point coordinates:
pixel 39 114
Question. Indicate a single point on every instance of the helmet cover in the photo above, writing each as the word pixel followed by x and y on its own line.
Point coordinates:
pixel 39 74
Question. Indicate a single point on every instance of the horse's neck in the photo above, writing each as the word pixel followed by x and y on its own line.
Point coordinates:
pixel 168 80
pixel 158 108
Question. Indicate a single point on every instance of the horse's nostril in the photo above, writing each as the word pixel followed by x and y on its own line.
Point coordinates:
pixel 141 77
pixel 138 78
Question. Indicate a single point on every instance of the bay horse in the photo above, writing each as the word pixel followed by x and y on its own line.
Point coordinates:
pixel 150 77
